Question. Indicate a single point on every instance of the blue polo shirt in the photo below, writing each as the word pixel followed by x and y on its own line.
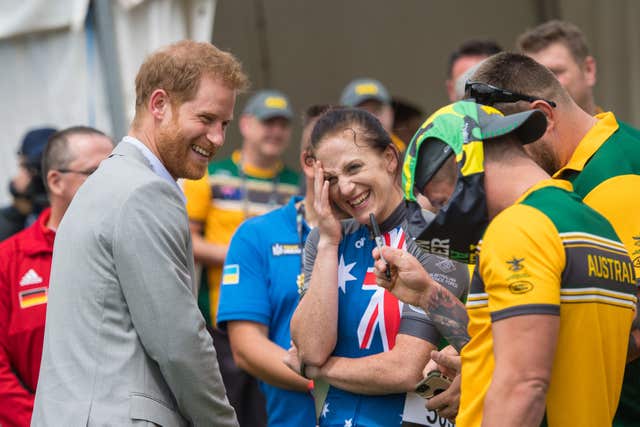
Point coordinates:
pixel 259 285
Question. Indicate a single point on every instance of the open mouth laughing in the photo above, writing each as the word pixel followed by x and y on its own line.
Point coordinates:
pixel 360 200
pixel 201 151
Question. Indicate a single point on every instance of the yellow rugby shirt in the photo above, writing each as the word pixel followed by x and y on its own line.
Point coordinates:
pixel 551 254
pixel 605 171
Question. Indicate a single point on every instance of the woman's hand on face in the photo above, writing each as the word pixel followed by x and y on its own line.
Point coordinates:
pixel 328 224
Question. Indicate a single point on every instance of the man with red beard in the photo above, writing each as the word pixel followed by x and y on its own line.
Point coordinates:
pixel 253 181
pixel 125 343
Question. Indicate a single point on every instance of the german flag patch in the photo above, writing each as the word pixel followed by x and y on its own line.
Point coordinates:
pixel 32 297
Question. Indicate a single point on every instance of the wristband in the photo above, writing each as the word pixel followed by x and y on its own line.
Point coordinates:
pixel 310 386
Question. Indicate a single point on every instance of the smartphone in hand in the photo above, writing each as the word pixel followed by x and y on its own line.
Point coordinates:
pixel 434 383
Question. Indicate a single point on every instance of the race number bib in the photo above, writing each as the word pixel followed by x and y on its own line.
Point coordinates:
pixel 415 412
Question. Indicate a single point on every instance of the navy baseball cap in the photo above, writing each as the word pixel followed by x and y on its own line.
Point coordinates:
pixel 33 145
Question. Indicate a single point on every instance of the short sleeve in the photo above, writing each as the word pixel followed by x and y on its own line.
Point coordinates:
pixel 521 263
pixel 198 195
pixel 310 252
pixel 244 293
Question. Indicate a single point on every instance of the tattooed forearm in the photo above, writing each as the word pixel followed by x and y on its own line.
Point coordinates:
pixel 449 315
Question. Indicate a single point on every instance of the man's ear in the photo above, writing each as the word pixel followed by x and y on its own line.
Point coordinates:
pixel 589 68
pixel 55 184
pixel 548 111
pixel 159 104
pixel 392 158
pixel 306 162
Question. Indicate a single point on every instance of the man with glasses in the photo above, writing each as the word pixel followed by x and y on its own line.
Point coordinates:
pixel 599 155
pixel 25 262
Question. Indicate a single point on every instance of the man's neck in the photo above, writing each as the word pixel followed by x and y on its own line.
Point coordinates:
pixel 146 138
pixel 506 183
pixel 55 216
pixel 590 106
pixel 574 126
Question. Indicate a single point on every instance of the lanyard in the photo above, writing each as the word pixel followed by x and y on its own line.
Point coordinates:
pixel 300 230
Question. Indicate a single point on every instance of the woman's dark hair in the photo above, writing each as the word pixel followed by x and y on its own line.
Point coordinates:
pixel 362 123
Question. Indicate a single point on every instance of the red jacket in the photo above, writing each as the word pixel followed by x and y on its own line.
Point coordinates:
pixel 25 264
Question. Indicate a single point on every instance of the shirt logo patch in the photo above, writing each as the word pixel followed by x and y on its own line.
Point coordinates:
pixel 446 265
pixel 30 278
pixel 231 274
pixel 521 287
pixel 636 252
pixel 515 264
pixel 279 249
pixel 33 297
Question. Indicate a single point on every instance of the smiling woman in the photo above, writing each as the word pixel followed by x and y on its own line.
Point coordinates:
pixel 347 330
pixel 357 159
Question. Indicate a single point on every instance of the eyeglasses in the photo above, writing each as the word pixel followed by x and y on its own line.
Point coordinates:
pixel 487 94
pixel 85 172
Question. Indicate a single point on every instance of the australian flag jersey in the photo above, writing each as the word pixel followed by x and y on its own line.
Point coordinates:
pixel 368 322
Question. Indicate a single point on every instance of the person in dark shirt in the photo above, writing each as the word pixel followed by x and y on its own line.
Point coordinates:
pixel 26 187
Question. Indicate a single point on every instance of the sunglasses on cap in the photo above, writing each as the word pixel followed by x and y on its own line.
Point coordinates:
pixel 487 94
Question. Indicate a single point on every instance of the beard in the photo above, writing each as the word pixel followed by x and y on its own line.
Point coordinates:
pixel 174 149
pixel 543 155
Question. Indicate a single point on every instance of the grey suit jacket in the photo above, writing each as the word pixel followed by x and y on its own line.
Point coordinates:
pixel 125 343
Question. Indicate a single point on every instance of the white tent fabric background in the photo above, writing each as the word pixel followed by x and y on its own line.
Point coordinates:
pixel 27 17
pixel 52 71
pixel 46 78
